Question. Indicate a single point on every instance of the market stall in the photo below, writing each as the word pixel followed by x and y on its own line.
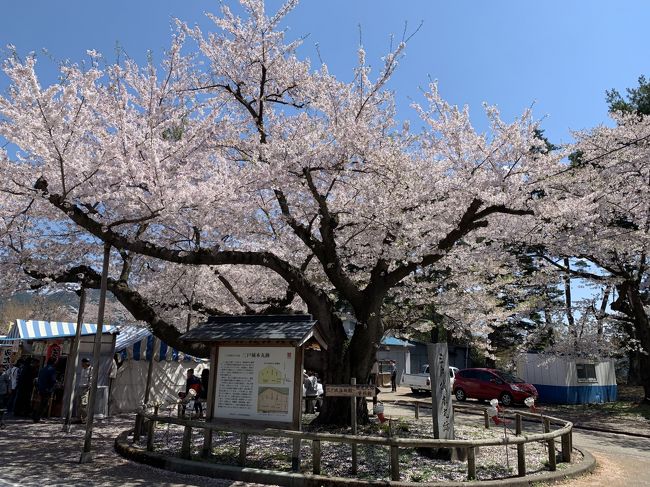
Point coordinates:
pixel 41 340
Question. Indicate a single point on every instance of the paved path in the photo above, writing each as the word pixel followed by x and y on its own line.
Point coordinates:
pixel 623 461
pixel 41 455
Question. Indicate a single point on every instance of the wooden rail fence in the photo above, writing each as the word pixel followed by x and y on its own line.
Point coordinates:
pixel 520 439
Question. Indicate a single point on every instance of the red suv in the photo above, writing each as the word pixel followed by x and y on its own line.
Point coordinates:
pixel 492 384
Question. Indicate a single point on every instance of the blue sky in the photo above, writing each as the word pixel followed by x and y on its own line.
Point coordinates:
pixel 560 56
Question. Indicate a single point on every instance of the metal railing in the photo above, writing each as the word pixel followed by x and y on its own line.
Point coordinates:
pixel 394 444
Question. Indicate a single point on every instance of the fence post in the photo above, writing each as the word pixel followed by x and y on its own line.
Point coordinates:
pixel 521 448
pixel 243 444
pixel 566 448
pixel 138 428
pixel 486 418
pixel 315 456
pixel 552 462
pixel 471 463
pixel 151 425
pixel 417 410
pixel 295 455
pixel 187 443
pixel 394 462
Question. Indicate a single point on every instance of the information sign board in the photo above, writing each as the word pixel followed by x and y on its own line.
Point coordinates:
pixel 255 383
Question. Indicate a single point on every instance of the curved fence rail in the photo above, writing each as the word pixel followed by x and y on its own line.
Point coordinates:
pixel 465 449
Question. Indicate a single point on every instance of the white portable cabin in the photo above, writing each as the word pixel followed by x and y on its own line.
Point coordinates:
pixel 569 380
pixel 135 349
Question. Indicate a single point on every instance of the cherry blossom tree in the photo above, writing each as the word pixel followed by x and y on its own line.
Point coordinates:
pixel 608 183
pixel 237 154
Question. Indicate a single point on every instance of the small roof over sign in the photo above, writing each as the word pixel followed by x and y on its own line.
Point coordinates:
pixel 297 329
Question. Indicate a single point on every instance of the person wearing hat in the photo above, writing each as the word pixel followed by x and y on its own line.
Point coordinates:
pixel 393 376
pixel 85 379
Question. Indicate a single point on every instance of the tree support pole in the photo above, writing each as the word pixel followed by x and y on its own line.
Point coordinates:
pixel 73 364
pixel 86 455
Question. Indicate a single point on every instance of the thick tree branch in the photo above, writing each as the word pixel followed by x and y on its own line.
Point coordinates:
pixel 133 301
pixel 312 295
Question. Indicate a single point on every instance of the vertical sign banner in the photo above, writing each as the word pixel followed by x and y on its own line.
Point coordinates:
pixel 255 383
pixel 442 413
pixel 5 355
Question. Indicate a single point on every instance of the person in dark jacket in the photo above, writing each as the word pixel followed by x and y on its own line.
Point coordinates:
pixel 23 406
pixel 45 385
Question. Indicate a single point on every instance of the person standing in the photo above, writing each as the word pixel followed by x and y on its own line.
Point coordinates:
pixel 5 387
pixel 45 386
pixel 310 383
pixel 194 383
pixel 374 373
pixel 24 388
pixel 85 380
pixel 393 376
pixel 112 375
pixel 13 372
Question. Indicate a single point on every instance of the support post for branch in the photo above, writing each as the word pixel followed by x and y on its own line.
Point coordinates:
pixel 353 415
pixel 147 387
pixel 417 410
pixel 86 455
pixel 73 364
pixel 486 419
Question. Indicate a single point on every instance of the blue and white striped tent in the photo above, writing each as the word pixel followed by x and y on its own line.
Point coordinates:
pixel 43 330
pixel 136 343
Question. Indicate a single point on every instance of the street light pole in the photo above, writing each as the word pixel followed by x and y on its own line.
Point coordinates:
pixel 86 455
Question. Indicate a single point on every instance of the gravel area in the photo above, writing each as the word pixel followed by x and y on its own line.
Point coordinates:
pixel 373 464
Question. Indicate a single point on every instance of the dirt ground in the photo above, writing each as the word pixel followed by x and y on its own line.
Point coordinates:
pixel 41 454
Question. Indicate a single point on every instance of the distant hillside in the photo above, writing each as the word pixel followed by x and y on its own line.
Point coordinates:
pixel 55 306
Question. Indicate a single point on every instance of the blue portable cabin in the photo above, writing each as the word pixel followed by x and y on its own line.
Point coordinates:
pixel 569 380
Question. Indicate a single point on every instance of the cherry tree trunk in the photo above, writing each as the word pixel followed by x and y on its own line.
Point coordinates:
pixel 642 328
pixel 347 358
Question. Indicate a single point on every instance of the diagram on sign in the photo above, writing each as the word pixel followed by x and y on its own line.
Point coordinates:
pixel 273 400
pixel 270 375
